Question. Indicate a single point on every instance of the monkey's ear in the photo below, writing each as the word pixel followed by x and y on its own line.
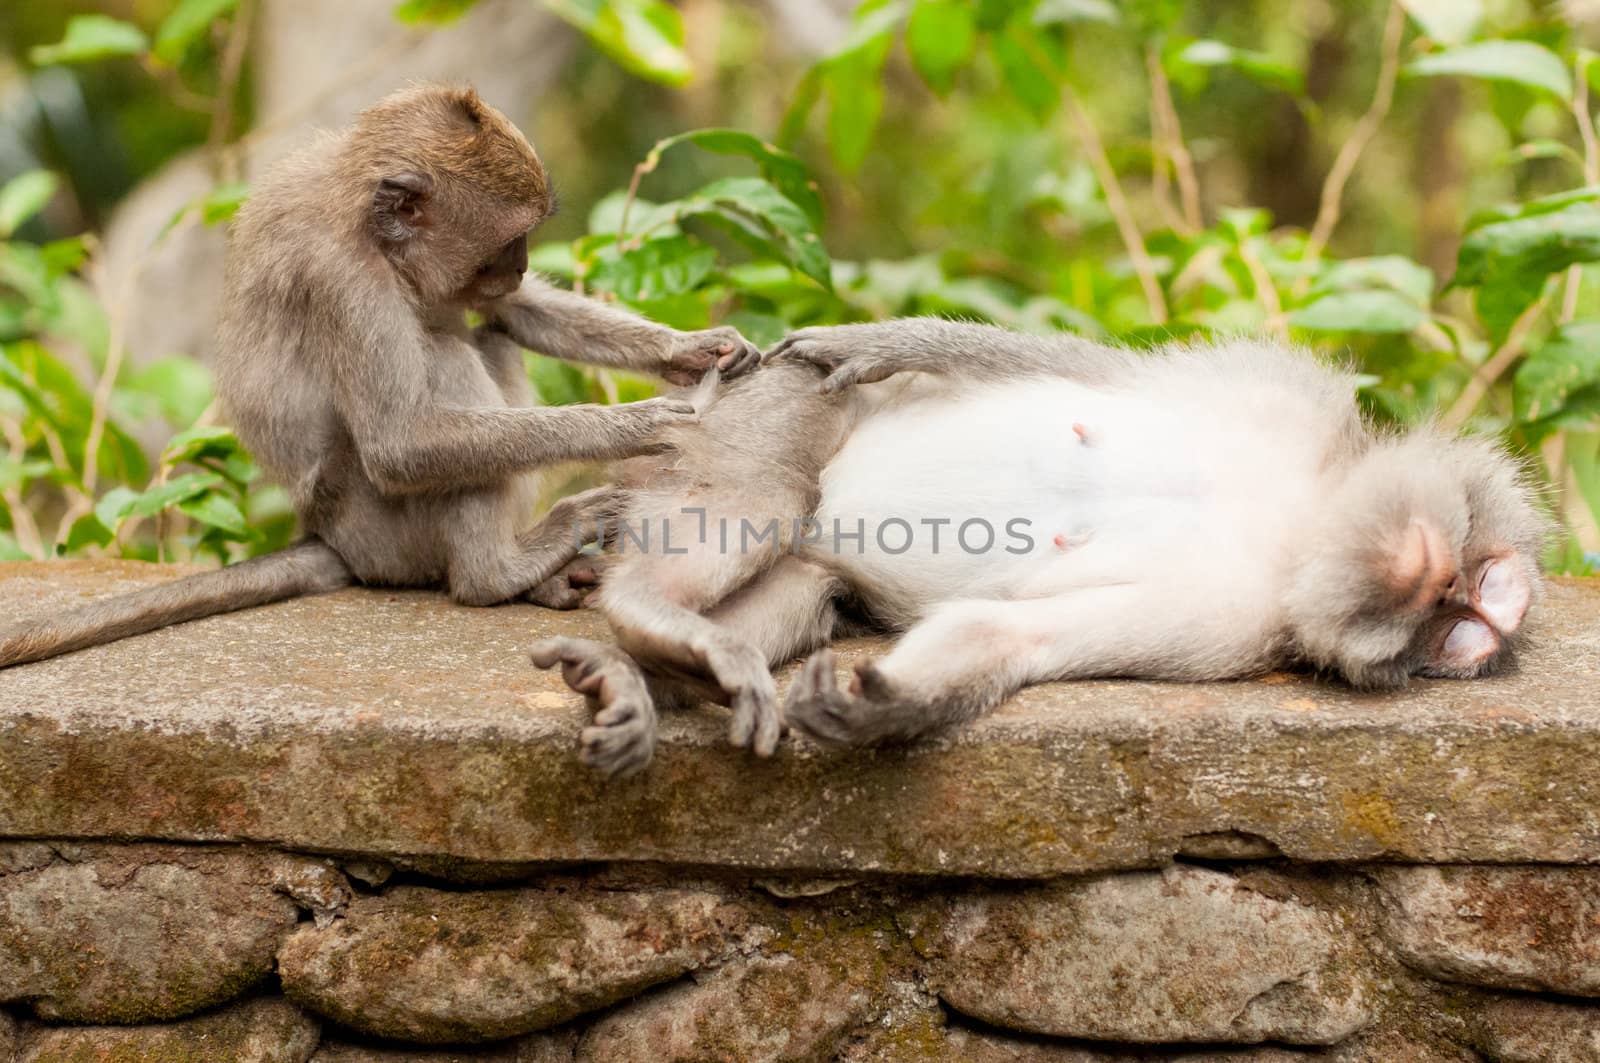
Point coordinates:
pixel 399 206
pixel 471 105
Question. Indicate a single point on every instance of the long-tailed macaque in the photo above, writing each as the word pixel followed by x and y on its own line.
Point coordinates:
pixel 1031 508
pixel 348 368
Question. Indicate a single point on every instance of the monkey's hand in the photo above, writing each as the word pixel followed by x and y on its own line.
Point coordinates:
pixel 847 354
pixel 690 354
pixel 633 428
pixel 873 709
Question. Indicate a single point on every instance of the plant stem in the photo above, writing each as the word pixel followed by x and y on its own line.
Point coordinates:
pixel 1170 146
pixel 1331 207
pixel 1117 203
pixel 1495 367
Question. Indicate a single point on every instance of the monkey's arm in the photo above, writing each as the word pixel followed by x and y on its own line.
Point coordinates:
pixel 410 440
pixel 863 354
pixel 575 328
pixel 968 656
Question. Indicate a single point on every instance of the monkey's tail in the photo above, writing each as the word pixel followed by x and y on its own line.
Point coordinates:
pixel 309 567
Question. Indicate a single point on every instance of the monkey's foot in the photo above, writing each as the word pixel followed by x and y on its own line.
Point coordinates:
pixel 870 711
pixel 568 588
pixel 742 674
pixel 622 738
pixel 843 352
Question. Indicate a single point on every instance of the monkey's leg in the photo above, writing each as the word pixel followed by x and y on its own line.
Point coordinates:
pixel 309 567
pixel 864 354
pixel 968 656
pixel 490 564
pixel 655 601
pixel 785 612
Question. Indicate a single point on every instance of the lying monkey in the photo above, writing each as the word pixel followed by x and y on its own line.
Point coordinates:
pixel 1208 513
pixel 346 363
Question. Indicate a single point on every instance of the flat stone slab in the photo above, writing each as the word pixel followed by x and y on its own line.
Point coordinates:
pixel 395 724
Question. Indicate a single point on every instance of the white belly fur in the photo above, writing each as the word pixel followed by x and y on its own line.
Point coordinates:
pixel 1175 484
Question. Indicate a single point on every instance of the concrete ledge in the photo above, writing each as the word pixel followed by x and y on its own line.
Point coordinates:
pixel 396 725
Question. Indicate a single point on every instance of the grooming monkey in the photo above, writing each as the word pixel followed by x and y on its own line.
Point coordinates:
pixel 347 366
pixel 1208 512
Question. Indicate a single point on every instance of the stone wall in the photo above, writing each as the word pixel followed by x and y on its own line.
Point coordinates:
pixel 175 952
pixel 352 829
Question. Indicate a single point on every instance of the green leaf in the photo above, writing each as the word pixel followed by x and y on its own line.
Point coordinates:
pixel 1446 21
pixel 1566 363
pixel 1520 62
pixel 218 205
pixel 432 12
pixel 1508 261
pixel 1368 311
pixel 853 87
pixel 1395 272
pixel 91 37
pixel 741 200
pixel 992 14
pixel 17 473
pixel 201 441
pixel 785 170
pixel 87 530
pixel 216 510
pixel 188 23
pixel 655 269
pixel 178 489
pixel 24 196
pixel 941 37
pixel 644 37
pixel 112 507
pixel 1533 207
pixel 64 256
pixel 179 385
pixel 1258 66
pixel 1509 251
pixel 1017 51
pixel 1052 12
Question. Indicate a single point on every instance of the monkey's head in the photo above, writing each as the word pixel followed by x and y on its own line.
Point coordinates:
pixel 454 190
pixel 1424 562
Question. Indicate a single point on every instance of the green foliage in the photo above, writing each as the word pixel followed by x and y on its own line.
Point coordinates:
pixel 63 442
pixel 1519 62
pixel 90 37
pixel 187 24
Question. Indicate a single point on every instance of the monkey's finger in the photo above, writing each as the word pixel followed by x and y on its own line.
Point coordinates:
pixel 547 653
pixel 856 372
pixel 621 712
pixel 740 361
pixel 769 728
pixel 615 752
pixel 788 346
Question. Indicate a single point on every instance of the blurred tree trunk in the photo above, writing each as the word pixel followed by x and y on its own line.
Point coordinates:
pixel 1286 170
pixel 1439 173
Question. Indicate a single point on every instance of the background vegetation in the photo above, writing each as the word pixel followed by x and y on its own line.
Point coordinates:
pixel 1413 184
